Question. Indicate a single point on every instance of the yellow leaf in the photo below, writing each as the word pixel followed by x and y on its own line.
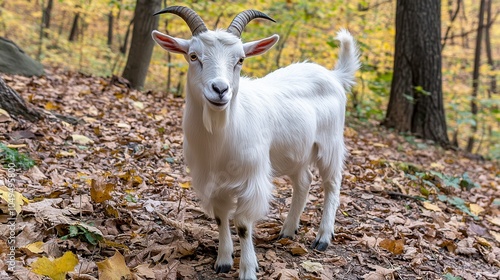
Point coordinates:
pixel 71 153
pixel 496 235
pixel 55 269
pixel 380 145
pixel 139 105
pixel 437 165
pixel 82 140
pixel 475 209
pixel 113 268
pixel 430 206
pixel 13 197
pixel 100 191
pixel 495 221
pixel 310 266
pixel 35 247
pixel 185 185
pixel 483 241
pixel 4 116
pixel 51 106
pixel 16 146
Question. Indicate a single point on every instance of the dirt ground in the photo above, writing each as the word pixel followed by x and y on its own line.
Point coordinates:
pixel 409 210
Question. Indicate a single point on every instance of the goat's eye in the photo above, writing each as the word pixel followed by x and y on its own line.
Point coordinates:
pixel 193 57
pixel 240 61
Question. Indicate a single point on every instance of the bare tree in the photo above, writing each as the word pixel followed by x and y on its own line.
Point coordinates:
pixel 475 75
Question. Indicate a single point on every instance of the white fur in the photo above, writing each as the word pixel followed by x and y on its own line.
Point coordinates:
pixel 276 125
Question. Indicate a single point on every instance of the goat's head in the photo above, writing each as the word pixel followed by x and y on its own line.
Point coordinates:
pixel 214 57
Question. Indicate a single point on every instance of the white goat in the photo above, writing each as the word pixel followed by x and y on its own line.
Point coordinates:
pixel 239 132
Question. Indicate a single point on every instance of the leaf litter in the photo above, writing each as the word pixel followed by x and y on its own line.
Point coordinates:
pixel 113 191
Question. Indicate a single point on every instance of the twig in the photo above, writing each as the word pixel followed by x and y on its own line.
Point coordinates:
pixel 417 198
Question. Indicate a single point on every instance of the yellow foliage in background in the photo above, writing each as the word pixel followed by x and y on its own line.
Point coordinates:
pixel 306 28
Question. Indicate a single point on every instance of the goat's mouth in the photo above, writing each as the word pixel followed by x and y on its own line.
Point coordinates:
pixel 220 104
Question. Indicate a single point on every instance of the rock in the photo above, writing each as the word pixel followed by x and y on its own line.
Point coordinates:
pixel 13 60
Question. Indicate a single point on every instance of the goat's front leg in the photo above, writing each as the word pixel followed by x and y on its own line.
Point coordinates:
pixel 248 260
pixel 251 206
pixel 225 252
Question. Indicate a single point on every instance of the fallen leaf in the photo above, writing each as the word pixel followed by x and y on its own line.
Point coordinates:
pixel 100 191
pixel 35 247
pixel 495 221
pixel 483 241
pixel 496 235
pixel 114 268
pixel 380 273
pixel 7 195
pixel 394 246
pixel 82 140
pixel 476 209
pixel 430 206
pixel 55 269
pixel 185 185
pixel 298 249
pixel 310 266
pixel 4 116
pixel 145 271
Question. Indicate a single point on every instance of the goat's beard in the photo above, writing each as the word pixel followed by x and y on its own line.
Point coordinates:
pixel 214 120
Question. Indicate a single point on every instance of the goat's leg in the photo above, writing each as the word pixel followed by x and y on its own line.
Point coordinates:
pixel 252 205
pixel 331 204
pixel 248 259
pixel 225 252
pixel 301 182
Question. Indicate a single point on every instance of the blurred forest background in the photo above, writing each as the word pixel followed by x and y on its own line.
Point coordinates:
pixel 93 37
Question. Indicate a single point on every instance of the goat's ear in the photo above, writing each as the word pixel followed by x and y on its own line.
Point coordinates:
pixel 169 43
pixel 260 46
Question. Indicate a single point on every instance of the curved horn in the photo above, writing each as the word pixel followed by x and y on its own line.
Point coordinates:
pixel 242 19
pixel 192 19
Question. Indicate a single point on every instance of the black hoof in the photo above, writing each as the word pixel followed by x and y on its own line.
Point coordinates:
pixel 320 246
pixel 224 268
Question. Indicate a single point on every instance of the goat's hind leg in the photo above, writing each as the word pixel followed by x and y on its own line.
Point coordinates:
pixel 301 182
pixel 225 251
pixel 332 179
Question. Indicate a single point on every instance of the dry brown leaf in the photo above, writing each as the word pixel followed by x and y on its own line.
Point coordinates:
pixel 297 249
pixel 145 271
pixel 394 246
pixel 380 273
pixel 100 191
pixel 476 209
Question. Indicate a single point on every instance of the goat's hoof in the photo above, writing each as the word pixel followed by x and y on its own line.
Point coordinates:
pixel 223 268
pixel 319 245
pixel 289 236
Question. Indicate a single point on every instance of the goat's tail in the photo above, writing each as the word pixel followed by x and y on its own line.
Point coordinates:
pixel 348 62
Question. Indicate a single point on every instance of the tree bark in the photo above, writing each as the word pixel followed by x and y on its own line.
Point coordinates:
pixel 74 28
pixel 47 13
pixel 14 104
pixel 475 75
pixel 489 53
pixel 141 46
pixel 416 98
pixel 110 28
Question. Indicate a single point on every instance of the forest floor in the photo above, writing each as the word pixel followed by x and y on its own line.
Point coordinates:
pixel 111 195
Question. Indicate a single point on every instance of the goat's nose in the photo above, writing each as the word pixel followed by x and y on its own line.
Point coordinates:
pixel 220 88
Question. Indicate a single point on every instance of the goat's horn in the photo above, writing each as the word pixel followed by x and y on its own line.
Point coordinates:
pixel 192 19
pixel 242 19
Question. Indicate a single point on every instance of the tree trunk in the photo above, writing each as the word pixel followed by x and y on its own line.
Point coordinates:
pixel 14 104
pixel 141 47
pixel 475 75
pixel 74 28
pixel 416 99
pixel 110 28
pixel 489 54
pixel 46 13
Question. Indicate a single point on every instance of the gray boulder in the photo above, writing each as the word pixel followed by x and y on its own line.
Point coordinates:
pixel 13 60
